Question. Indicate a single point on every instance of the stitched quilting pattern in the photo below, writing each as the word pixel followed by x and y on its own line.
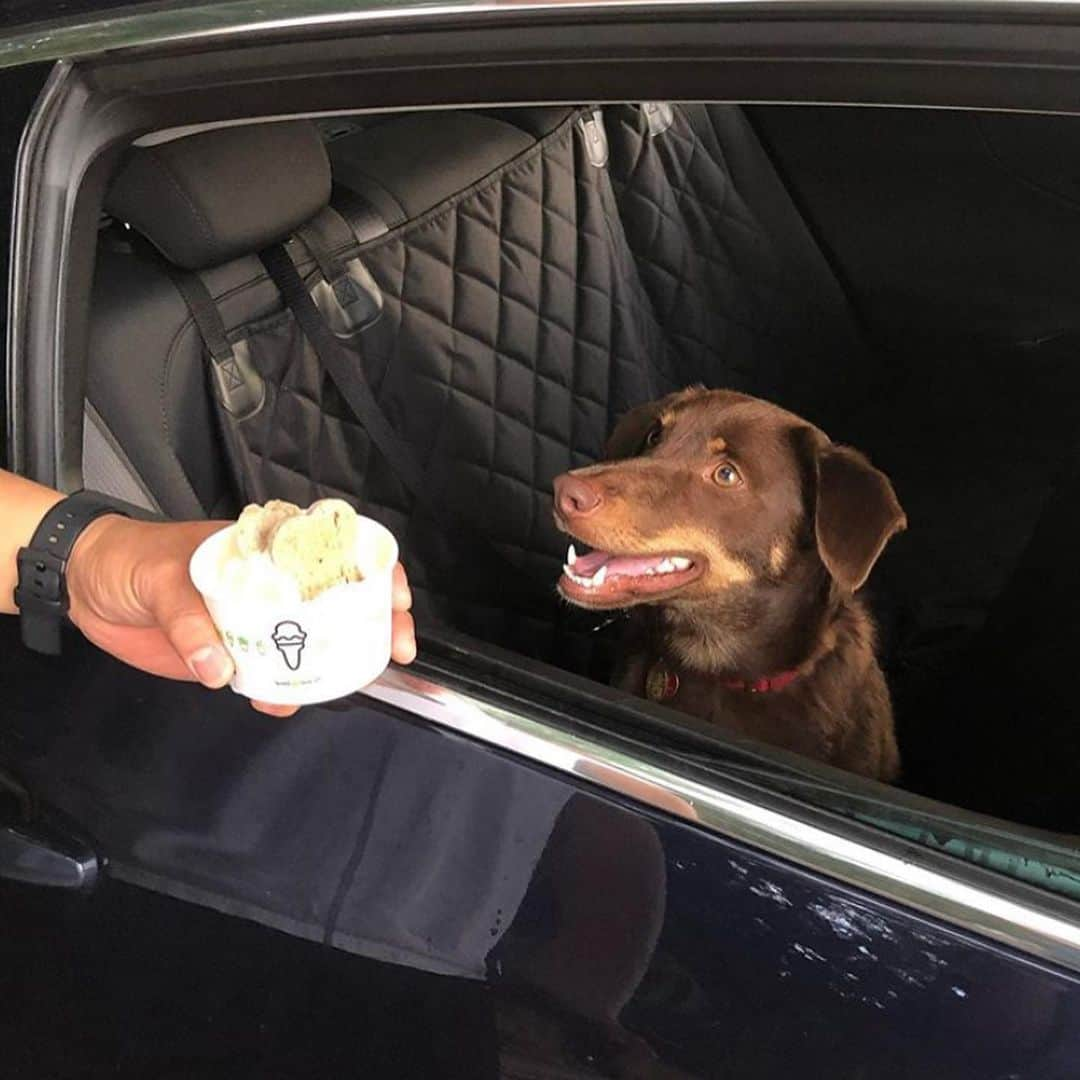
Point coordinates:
pixel 520 319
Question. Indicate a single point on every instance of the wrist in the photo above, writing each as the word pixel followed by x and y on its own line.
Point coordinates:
pixel 85 564
pixel 44 591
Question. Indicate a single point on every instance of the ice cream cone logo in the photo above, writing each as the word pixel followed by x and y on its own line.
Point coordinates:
pixel 289 638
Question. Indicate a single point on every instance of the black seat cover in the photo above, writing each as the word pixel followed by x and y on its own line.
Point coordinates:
pixel 532 292
pixel 1008 737
pixel 204 203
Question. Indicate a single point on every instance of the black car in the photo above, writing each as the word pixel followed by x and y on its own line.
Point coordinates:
pixel 523 219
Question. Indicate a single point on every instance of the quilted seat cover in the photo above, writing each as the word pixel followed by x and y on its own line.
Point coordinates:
pixel 521 318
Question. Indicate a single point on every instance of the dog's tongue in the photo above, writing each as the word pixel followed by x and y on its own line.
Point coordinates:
pixel 617 565
pixel 587 565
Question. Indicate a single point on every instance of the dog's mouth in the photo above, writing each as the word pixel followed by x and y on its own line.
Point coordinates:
pixel 604 579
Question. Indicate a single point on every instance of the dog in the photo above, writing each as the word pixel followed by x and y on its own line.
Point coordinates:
pixel 739 534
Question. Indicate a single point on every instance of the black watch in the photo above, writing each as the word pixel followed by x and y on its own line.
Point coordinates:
pixel 41 594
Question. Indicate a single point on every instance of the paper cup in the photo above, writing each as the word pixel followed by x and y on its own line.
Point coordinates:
pixel 311 650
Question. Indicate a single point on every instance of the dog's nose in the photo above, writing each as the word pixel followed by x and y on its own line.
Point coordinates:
pixel 575 497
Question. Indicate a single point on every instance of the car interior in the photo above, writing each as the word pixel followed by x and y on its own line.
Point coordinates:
pixel 512 280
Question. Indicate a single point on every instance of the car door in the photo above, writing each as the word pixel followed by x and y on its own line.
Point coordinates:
pixel 424 882
pixel 482 867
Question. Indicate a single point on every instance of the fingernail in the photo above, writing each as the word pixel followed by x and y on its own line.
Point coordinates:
pixel 211 665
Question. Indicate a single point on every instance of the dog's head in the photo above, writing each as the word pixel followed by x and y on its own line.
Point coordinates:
pixel 708 491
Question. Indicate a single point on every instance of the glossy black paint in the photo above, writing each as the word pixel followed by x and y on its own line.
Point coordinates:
pixel 356 893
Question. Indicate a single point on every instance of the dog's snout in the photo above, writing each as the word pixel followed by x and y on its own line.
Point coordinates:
pixel 575 497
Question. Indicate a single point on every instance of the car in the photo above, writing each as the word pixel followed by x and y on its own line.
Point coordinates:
pixel 523 219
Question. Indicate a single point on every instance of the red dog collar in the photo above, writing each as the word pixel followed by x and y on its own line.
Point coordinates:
pixel 662 683
pixel 762 686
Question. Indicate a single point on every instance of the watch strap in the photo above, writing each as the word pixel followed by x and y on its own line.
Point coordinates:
pixel 41 593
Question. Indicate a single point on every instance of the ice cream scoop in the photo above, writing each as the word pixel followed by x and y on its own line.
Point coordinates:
pixel 282 548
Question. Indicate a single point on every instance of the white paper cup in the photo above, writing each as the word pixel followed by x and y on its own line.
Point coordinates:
pixel 308 651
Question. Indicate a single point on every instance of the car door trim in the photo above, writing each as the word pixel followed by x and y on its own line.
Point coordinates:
pixel 971 898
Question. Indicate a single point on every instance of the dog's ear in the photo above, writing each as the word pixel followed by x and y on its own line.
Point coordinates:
pixel 855 511
pixel 628 437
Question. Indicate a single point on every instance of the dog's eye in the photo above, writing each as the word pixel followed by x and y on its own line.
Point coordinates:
pixel 655 434
pixel 726 475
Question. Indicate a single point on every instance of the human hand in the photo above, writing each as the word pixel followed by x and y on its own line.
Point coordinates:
pixel 131 595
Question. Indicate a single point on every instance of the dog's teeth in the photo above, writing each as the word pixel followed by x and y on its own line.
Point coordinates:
pixel 577 579
pixel 666 567
pixel 566 570
pixel 679 563
pixel 600 576
pixel 571 555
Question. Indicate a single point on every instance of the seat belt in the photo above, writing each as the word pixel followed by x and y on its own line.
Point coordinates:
pixel 240 393
pixel 346 372
pixel 344 368
pixel 239 389
pixel 347 298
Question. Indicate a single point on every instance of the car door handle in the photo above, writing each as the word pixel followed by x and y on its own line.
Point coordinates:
pixel 37 847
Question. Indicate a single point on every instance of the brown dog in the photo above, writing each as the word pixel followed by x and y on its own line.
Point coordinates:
pixel 740 534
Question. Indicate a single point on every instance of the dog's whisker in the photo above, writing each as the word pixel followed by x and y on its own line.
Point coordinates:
pixel 608 621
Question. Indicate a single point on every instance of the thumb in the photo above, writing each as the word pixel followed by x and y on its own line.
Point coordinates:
pixel 183 618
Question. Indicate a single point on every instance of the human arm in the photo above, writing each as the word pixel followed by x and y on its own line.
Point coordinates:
pixel 130 593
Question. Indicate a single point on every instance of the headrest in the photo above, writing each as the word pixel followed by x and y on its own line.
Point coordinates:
pixel 206 199
pixel 460 148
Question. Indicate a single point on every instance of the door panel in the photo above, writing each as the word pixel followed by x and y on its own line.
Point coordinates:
pixel 357 889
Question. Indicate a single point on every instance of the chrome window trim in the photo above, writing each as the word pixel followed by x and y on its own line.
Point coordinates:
pixel 244 18
pixel 971 898
pixel 233 20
